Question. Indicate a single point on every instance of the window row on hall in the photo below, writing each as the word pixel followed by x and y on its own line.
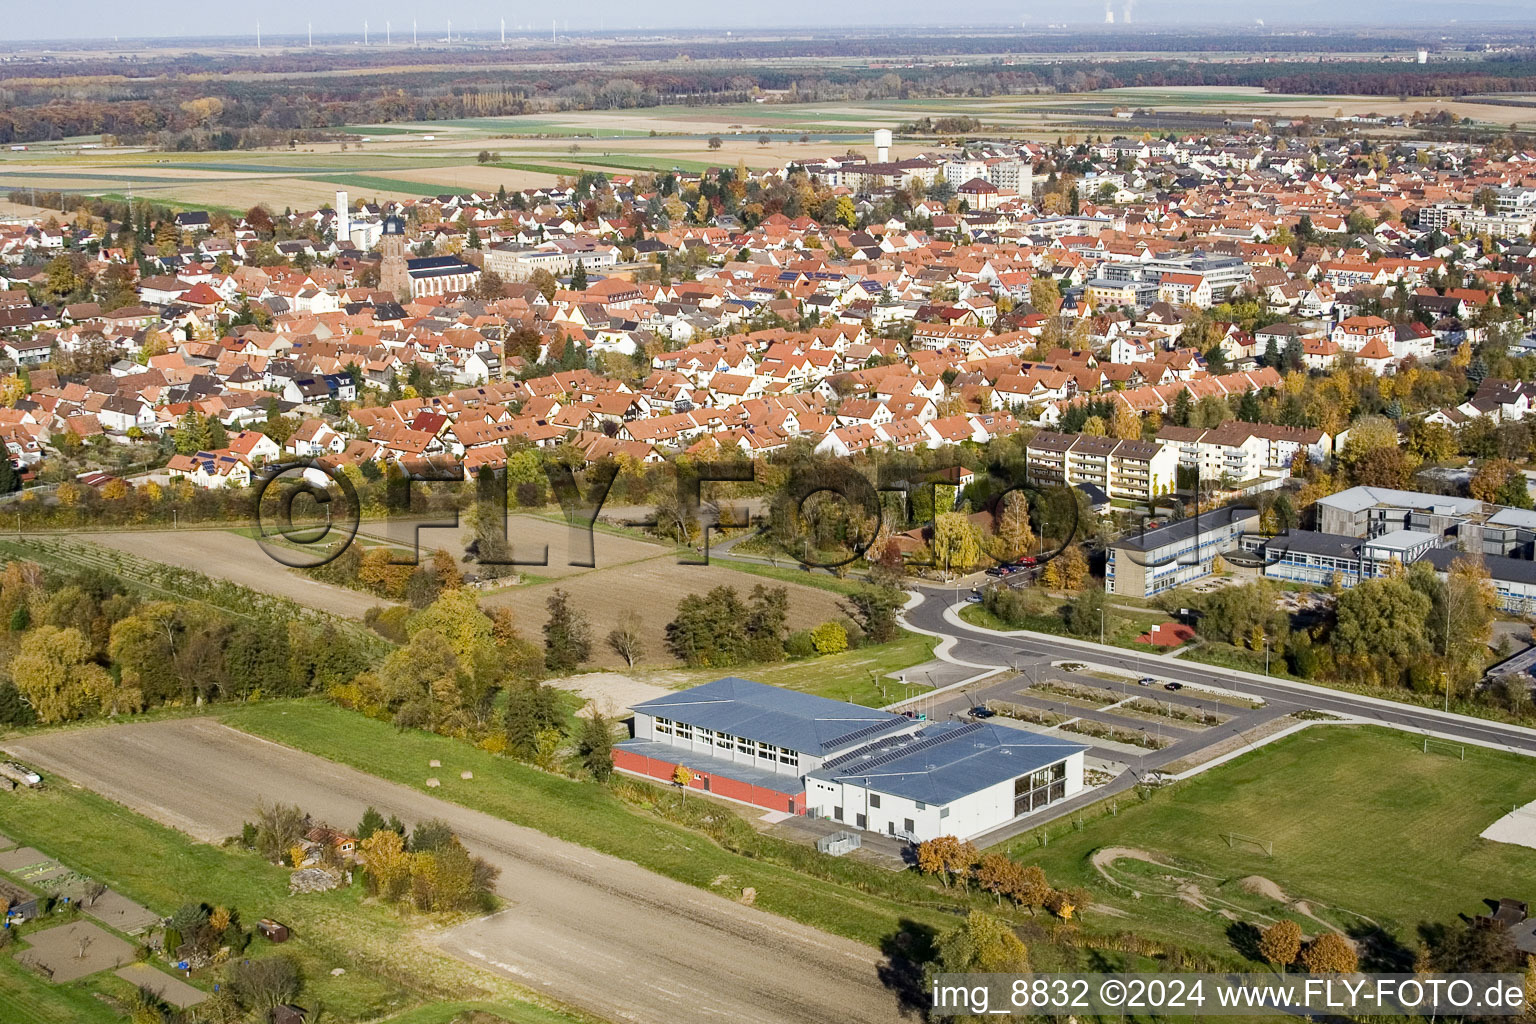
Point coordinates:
pixel 726 742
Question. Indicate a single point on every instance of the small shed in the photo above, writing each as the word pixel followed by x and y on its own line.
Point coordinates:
pixel 839 843
pixel 271 930
pixel 20 905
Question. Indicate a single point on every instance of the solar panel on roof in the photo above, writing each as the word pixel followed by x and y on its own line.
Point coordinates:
pixel 911 748
pixel 858 734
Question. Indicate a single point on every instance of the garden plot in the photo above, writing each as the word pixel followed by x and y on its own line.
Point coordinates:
pixel 117 911
pixel 172 990
pixel 73 951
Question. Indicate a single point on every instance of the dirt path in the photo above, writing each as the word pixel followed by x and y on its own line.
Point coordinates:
pixel 584 927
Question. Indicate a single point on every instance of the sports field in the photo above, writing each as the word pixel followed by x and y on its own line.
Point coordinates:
pixel 1369 835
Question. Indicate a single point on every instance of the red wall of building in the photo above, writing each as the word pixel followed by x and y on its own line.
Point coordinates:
pixel 719 785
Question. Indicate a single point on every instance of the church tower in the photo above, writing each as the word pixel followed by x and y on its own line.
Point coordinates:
pixel 392 273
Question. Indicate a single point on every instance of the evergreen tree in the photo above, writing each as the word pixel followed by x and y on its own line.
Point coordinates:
pixel 579 277
pixel 573 357
pixel 532 708
pixel 372 822
pixel 14 709
pixel 191 434
pixel 595 745
pixel 567 635
pixel 1183 408
pixel 10 480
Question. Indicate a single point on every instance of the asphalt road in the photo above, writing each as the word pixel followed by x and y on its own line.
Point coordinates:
pixel 984 648
pixel 592 930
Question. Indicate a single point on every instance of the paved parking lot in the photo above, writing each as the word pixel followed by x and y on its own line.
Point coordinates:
pixel 1120 704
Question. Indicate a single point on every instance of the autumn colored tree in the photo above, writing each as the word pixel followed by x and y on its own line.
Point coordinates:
pixel 1280 943
pixel 389 864
pixel 947 857
pixel 54 672
pixel 1330 953
pixel 1125 424
pixel 1014 534
pixel 1490 477
pixel 999 875
pixel 956 541
pixel 982 944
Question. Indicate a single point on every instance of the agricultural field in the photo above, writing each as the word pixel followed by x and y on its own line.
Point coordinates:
pixel 403 161
pixel 1190 860
pixel 228 555
pixel 652 588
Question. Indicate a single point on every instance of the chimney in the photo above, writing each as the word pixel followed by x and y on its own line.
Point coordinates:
pixel 343 222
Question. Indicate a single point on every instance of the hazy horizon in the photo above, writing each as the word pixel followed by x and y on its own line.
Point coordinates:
pixel 286 20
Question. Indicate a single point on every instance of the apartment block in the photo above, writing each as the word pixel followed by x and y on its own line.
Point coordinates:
pixel 1134 470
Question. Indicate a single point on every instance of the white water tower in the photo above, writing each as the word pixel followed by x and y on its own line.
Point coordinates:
pixel 343 222
pixel 882 145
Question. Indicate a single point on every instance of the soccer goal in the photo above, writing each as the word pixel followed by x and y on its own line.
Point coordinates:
pixel 1446 747
pixel 1238 839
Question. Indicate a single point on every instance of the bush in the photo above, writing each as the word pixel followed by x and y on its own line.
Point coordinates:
pixel 765 649
pixel 800 644
pixel 13 709
pixel 829 638
pixel 530 494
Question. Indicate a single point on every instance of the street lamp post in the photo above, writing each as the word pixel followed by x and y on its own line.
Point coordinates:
pixel 1101 625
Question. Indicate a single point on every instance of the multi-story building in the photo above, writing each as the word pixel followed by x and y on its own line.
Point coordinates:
pixel 1135 470
pixel 1011 173
pixel 1476 527
pixel 1149 562
pixel 1243 453
pixel 1327 559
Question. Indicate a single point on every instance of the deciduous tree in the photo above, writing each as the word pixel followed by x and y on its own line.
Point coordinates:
pixel 947 857
pixel 1280 943
pixel 1330 953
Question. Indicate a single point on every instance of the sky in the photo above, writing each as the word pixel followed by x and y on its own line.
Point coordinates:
pixel 104 19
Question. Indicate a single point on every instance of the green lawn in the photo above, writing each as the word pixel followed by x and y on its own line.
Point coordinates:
pixel 388 969
pixel 852 675
pixel 853 899
pixel 28 999
pixel 1121 628
pixel 792 572
pixel 1364 824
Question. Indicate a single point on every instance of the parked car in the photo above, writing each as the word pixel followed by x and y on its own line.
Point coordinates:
pixel 1146 681
pixel 998 571
pixel 974 597
pixel 1173 686
pixel 982 711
